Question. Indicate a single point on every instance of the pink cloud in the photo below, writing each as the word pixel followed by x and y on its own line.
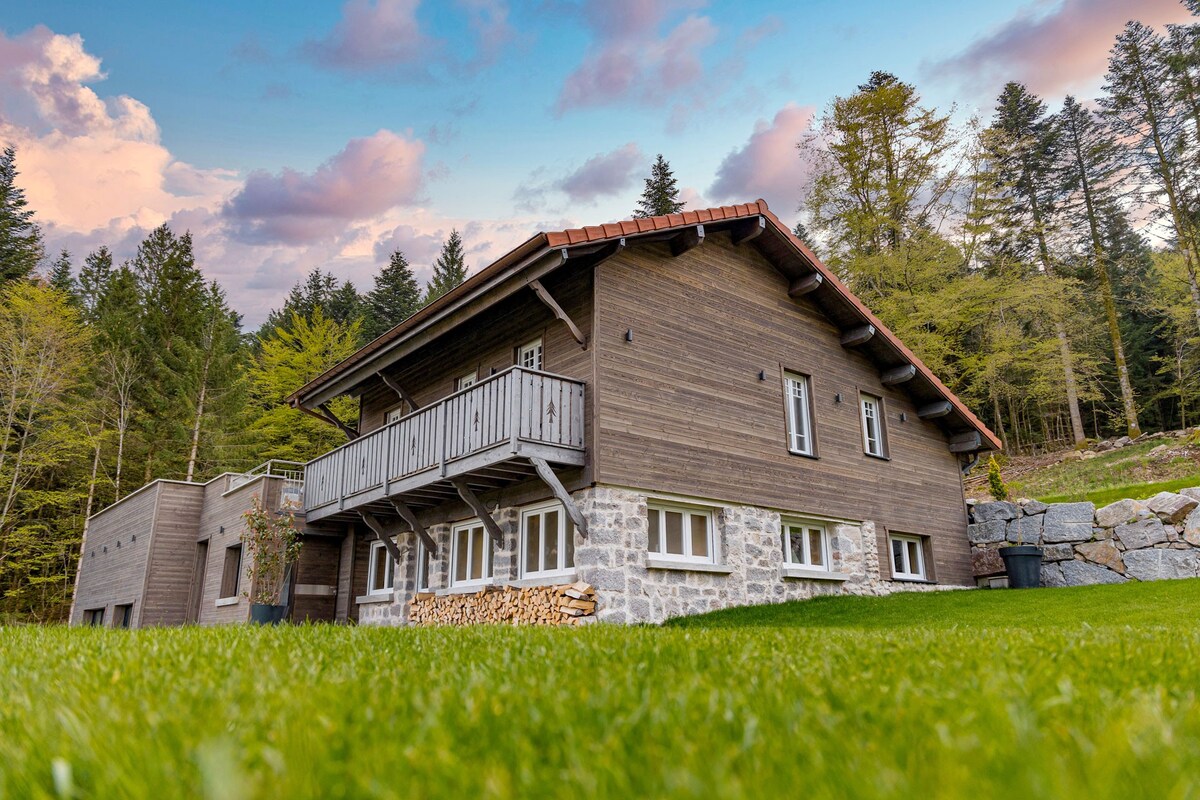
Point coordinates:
pixel 368 177
pixel 768 165
pixel 372 35
pixel 604 174
pixel 1056 52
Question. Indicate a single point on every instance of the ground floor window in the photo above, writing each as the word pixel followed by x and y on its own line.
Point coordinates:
pixel 806 544
pixel 471 556
pixel 123 615
pixel 681 532
pixel 231 574
pixel 547 542
pixel 423 559
pixel 93 616
pixel 908 557
pixel 381 569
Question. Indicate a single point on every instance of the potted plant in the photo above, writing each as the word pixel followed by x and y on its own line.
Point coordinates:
pixel 1022 562
pixel 272 542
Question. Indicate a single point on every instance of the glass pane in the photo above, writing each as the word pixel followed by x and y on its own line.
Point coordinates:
pixel 898 555
pixel 794 545
pixel 700 535
pixel 422 568
pixel 460 555
pixel 816 547
pixel 477 546
pixel 914 557
pixel 655 518
pixel 568 544
pixel 378 567
pixel 550 540
pixel 800 434
pixel 533 546
pixel 674 520
pixel 390 581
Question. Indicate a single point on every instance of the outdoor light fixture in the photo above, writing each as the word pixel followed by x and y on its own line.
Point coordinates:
pixel 762 374
pixel 903 417
pixel 629 335
pixel 222 530
pixel 837 398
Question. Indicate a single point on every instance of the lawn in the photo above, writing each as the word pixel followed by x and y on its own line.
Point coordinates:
pixel 1051 693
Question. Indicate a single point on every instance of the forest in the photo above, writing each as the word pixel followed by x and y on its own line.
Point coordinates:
pixel 1042 261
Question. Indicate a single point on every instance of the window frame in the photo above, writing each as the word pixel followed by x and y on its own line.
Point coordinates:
pixel 906 538
pixel 94 617
pixel 807 525
pixel 490 563
pixel 466 380
pixel 389 586
pixel 880 424
pixel 123 615
pixel 532 346
pixel 662 507
pixel 565 529
pixel 395 414
pixel 791 378
pixel 423 568
pixel 237 573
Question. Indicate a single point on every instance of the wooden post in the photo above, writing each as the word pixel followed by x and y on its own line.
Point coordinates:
pixel 485 516
pixel 560 491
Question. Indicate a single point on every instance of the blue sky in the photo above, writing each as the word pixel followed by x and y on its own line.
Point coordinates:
pixel 289 135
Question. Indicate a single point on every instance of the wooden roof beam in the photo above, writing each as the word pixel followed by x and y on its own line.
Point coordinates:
pixel 558 312
pixel 399 390
pixel 373 522
pixel 967 442
pixel 748 229
pixel 560 491
pixel 895 375
pixel 934 410
pixel 689 238
pixel 806 284
pixel 329 418
pixel 485 516
pixel 856 336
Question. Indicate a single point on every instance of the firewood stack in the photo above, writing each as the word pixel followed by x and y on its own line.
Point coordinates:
pixel 568 604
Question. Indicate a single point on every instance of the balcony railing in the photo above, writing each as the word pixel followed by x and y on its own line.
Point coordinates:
pixel 291 490
pixel 518 412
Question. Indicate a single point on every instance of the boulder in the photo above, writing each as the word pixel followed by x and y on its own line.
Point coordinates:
pixel 1031 507
pixel 1027 530
pixel 1122 442
pixel 1103 553
pixel 1118 513
pixel 1068 522
pixel 1191 528
pixel 986 561
pixel 1081 573
pixel 1157 565
pixel 1073 455
pixel 1193 492
pixel 1140 534
pixel 986 532
pixel 1003 510
pixel 1088 455
pixel 1157 451
pixel 1058 552
pixel 1052 576
pixel 1171 507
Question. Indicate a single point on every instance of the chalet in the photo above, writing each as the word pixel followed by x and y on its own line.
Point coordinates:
pixel 685 412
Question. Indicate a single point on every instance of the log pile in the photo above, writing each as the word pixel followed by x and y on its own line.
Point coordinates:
pixel 568 604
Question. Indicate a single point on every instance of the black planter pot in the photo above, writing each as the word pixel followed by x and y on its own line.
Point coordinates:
pixel 1023 563
pixel 264 614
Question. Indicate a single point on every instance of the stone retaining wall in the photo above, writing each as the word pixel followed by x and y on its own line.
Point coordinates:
pixel 1148 540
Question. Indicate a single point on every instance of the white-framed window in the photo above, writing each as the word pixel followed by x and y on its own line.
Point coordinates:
pixel 396 414
pixel 681 532
pixel 471 555
pixel 872 425
pixel 381 570
pixel 806 544
pixel 423 563
pixel 529 355
pixel 547 542
pixel 908 557
pixel 799 414
pixel 465 380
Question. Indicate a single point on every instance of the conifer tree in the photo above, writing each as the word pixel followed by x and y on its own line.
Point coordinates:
pixel 661 195
pixel 214 381
pixel 395 298
pixel 319 289
pixel 61 276
pixel 449 270
pixel 20 239
pixel 94 275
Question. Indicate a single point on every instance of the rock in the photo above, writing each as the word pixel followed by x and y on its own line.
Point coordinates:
pixel 1068 522
pixel 1162 448
pixel 1081 573
pixel 1122 442
pixel 1140 534
pixel 1191 528
pixel 1073 455
pixel 1118 513
pixel 1052 576
pixel 1058 552
pixel 987 512
pixel 1088 455
pixel 986 561
pixel 1031 507
pixel 986 532
pixel 1157 565
pixel 1171 507
pixel 1193 492
pixel 1026 530
pixel 1104 553
pixel 1103 447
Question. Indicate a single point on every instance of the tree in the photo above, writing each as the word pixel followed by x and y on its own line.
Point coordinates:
pixel 60 276
pixel 395 298
pixel 319 289
pixel 20 239
pixel 93 279
pixel 449 270
pixel 216 375
pixel 661 195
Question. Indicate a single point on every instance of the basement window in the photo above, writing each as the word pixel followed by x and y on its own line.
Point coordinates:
pixel 529 356
pixel 471 556
pixel 908 558
pixel 806 544
pixel 231 573
pixel 547 542
pixel 681 533
pixel 381 570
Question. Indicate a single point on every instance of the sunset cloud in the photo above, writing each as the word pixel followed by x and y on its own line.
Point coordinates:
pixel 372 35
pixel 768 165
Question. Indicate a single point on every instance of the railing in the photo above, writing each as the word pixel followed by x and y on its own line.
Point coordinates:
pixel 502 411
pixel 291 490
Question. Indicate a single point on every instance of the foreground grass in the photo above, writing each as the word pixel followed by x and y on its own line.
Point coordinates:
pixel 1030 694
pixel 1116 474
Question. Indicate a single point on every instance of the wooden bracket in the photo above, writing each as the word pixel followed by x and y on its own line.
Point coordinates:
pixel 857 336
pixel 934 410
pixel 550 302
pixel 967 442
pixel 682 242
pixel 329 418
pixel 560 491
pixel 468 496
pixel 399 390
pixel 408 516
pixel 380 531
pixel 806 285
pixel 899 374
pixel 747 230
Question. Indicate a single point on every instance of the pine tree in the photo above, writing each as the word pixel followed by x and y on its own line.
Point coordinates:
pixel 61 276
pixel 449 270
pixel 20 239
pixel 395 298
pixel 345 305
pixel 318 290
pixel 661 195
pixel 215 383
pixel 94 276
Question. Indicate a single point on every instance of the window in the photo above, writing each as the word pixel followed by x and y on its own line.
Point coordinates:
pixel 872 425
pixel 464 381
pixel 471 556
pixel 806 544
pixel 381 570
pixel 908 558
pixel 681 532
pixel 529 356
pixel 93 617
pixel 799 414
pixel 231 575
pixel 396 413
pixel 123 615
pixel 422 567
pixel 547 542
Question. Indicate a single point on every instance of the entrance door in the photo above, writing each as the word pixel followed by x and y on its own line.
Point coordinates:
pixel 198 572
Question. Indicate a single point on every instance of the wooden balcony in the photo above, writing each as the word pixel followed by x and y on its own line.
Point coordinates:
pixel 487 435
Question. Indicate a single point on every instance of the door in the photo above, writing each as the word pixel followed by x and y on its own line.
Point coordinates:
pixel 198 573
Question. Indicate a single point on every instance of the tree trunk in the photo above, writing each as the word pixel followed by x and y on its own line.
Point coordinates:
pixel 191 467
pixel 1064 349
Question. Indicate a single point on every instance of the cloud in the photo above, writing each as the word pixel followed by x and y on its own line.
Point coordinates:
pixel 368 177
pixel 603 175
pixel 371 36
pixel 488 20
pixel 1053 52
pixel 768 165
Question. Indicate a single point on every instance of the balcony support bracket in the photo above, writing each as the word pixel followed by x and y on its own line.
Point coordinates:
pixel 381 532
pixel 560 491
pixel 468 496
pixel 557 310
pixel 399 390
pixel 408 516
pixel 329 418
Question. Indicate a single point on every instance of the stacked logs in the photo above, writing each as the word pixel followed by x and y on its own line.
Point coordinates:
pixel 568 604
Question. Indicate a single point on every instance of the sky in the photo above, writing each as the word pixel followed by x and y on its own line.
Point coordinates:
pixel 292 135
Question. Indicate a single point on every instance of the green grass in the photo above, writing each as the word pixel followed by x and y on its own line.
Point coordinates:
pixel 1116 474
pixel 1054 693
pixel 1137 491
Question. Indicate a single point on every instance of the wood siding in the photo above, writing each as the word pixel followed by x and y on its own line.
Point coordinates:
pixel 172 555
pixel 225 510
pixel 317 567
pixel 681 409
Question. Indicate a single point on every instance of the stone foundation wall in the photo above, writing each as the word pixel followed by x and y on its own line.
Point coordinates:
pixel 1149 540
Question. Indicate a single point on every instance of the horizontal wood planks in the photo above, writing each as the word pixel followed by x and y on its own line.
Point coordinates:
pixel 172 555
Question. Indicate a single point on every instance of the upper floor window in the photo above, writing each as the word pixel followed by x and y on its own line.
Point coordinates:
pixel 908 557
pixel 872 425
pixel 547 542
pixel 464 381
pixel 799 414
pixel 396 413
pixel 681 532
pixel 529 355
pixel 471 555
pixel 381 570
pixel 806 544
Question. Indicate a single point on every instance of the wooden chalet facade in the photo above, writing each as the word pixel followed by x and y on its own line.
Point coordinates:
pixel 686 412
